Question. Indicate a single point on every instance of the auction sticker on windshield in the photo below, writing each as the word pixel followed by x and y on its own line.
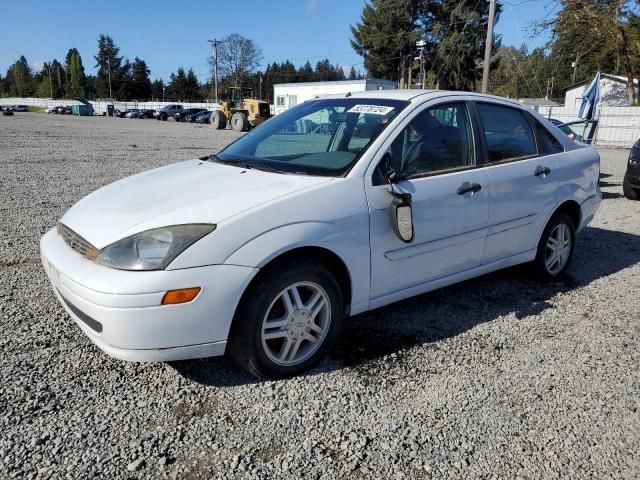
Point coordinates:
pixel 371 109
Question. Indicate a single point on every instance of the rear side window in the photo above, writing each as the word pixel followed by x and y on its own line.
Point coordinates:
pixel 507 133
pixel 547 141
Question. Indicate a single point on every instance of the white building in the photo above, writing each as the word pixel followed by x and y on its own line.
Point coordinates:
pixel 287 95
pixel 613 92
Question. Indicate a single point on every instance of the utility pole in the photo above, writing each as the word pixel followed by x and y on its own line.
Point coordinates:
pixel 214 56
pixel 109 65
pixel 574 65
pixel 421 44
pixel 50 84
pixel 260 96
pixel 487 47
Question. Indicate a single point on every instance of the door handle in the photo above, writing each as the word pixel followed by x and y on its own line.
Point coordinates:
pixel 467 187
pixel 540 170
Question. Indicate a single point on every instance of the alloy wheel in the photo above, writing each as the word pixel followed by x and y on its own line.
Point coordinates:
pixel 296 323
pixel 558 249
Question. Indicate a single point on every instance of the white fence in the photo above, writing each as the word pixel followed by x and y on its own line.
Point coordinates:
pixel 100 106
pixel 617 126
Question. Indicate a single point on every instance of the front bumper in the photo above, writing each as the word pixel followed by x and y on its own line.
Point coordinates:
pixel 121 311
pixel 633 180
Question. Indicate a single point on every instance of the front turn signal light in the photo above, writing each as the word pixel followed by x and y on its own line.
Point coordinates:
pixel 182 295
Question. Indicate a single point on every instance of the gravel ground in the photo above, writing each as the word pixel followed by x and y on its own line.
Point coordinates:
pixel 499 377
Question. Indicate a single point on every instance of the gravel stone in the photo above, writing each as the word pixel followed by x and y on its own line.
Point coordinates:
pixel 136 465
pixel 497 377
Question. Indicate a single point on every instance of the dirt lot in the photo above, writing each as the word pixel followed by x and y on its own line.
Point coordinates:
pixel 499 377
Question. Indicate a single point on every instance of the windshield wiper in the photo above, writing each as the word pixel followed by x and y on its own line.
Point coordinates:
pixel 238 162
pixel 263 167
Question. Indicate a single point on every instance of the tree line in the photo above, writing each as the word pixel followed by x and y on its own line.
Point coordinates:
pixel 119 78
pixel 584 36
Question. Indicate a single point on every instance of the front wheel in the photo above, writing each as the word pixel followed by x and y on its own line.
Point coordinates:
pixel 555 249
pixel 630 192
pixel 239 122
pixel 287 321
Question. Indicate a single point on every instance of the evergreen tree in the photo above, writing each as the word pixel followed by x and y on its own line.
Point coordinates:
pixel 75 88
pixel 58 75
pixel 177 88
pixel 157 88
pixel 108 62
pixel 305 73
pixel 140 81
pixel 353 75
pixel 192 87
pixel 454 31
pixel 20 78
pixel 44 83
pixel 386 35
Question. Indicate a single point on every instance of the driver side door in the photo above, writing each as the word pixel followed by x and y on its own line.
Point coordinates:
pixel 435 156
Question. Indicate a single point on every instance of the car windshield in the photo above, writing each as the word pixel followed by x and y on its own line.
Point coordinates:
pixel 321 137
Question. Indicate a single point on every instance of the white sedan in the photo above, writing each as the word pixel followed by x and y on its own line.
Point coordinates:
pixel 332 208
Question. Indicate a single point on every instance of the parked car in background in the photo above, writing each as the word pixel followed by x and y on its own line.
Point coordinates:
pixel 52 110
pixel 123 113
pixel 21 108
pixel 132 113
pixel 631 182
pixel 262 249
pixel 179 116
pixel 64 110
pixel 580 130
pixel 146 113
pixel 203 117
pixel 191 118
pixel 165 112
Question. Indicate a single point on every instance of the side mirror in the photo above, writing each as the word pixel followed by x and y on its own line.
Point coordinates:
pixel 401 216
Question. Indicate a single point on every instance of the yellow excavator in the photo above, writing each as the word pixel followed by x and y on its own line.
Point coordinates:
pixel 242 112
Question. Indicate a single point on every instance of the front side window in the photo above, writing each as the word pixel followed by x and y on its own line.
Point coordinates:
pixel 507 133
pixel 438 139
pixel 321 137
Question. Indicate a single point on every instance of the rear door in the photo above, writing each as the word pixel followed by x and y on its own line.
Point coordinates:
pixel 434 152
pixel 521 173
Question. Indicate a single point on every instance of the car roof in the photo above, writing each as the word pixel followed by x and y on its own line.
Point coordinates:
pixel 410 95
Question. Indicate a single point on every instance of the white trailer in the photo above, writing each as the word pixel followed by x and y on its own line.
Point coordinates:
pixel 287 95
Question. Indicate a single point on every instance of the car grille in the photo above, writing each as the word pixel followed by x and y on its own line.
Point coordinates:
pixel 77 243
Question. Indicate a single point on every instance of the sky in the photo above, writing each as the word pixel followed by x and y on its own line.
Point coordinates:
pixel 169 34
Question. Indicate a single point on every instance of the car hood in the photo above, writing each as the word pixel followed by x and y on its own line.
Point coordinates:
pixel 194 191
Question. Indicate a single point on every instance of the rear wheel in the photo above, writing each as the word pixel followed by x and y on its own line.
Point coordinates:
pixel 163 117
pixel 239 122
pixel 630 192
pixel 555 249
pixel 218 120
pixel 287 321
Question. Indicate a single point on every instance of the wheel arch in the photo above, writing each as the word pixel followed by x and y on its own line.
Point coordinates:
pixel 323 255
pixel 572 209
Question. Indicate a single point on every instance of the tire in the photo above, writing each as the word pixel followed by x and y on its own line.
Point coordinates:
pixel 163 117
pixel 544 266
pixel 289 350
pixel 218 120
pixel 630 192
pixel 239 122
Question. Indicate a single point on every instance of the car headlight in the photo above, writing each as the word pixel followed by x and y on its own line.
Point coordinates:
pixel 153 249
